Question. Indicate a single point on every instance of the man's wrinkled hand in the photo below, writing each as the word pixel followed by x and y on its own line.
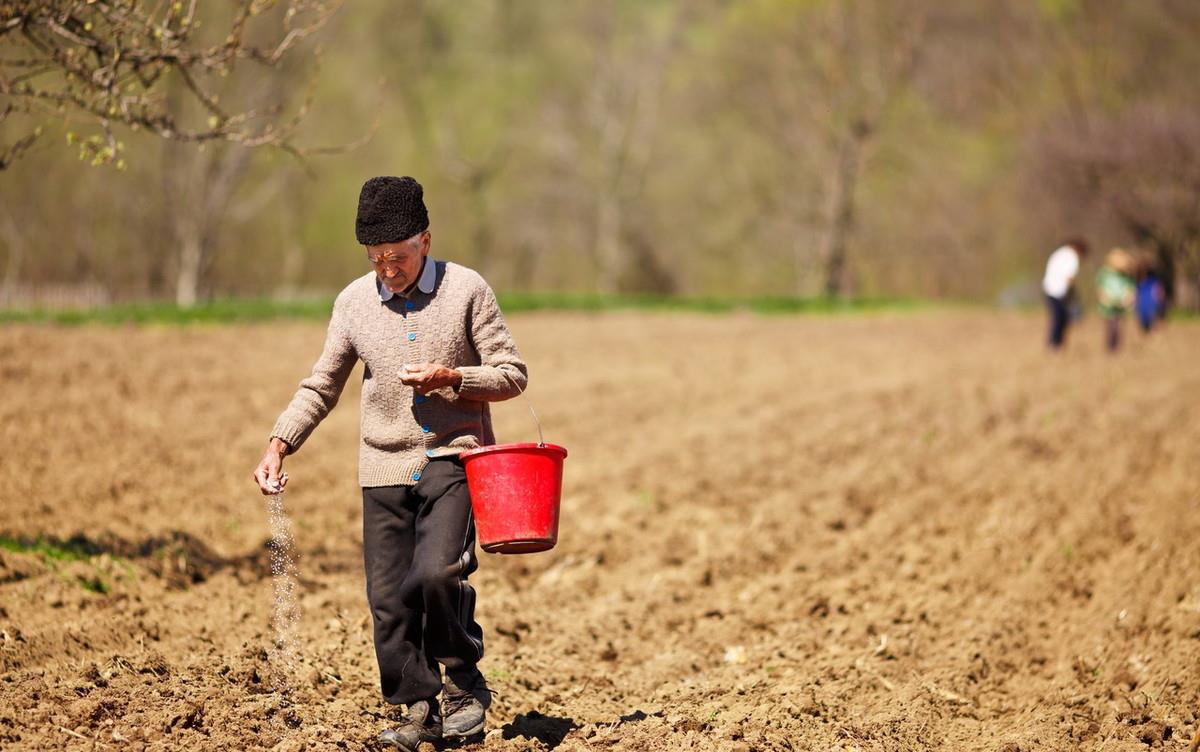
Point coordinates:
pixel 427 377
pixel 269 474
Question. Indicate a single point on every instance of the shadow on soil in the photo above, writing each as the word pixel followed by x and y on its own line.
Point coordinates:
pixel 178 557
pixel 547 729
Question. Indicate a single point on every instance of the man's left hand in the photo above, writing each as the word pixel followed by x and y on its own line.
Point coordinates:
pixel 427 377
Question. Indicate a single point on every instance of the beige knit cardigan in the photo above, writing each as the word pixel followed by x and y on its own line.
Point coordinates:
pixel 458 325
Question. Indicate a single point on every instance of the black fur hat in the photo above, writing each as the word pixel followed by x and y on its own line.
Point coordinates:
pixel 390 210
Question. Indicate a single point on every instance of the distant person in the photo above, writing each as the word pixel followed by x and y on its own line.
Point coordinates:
pixel 1058 284
pixel 1151 294
pixel 435 351
pixel 1116 292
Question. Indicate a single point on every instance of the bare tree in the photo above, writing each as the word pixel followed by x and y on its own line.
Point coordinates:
pixel 763 146
pixel 624 111
pixel 459 84
pixel 601 122
pixel 199 189
pixel 106 61
pixel 820 82
pixel 1142 168
pixel 1120 154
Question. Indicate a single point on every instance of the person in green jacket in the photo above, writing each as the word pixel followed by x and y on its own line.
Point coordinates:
pixel 1116 292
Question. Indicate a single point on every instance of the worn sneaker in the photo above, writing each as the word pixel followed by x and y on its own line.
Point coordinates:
pixel 422 723
pixel 465 700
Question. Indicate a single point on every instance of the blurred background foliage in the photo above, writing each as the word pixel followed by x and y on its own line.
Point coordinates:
pixel 806 148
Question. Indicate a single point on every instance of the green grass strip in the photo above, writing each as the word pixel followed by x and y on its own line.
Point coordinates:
pixel 214 312
pixel 250 310
pixel 517 302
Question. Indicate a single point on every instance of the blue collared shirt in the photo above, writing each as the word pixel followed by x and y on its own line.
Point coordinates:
pixel 425 282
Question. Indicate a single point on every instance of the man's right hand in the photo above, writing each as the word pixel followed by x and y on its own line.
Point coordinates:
pixel 269 474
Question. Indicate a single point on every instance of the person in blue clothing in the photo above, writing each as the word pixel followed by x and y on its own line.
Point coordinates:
pixel 1151 294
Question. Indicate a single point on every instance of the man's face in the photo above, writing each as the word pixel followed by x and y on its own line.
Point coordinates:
pixel 399 264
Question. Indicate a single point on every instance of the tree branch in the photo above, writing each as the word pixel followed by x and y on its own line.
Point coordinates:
pixel 105 60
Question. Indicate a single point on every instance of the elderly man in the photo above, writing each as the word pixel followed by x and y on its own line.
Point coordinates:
pixel 435 351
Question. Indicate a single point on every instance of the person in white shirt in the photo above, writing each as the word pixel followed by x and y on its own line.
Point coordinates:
pixel 1059 286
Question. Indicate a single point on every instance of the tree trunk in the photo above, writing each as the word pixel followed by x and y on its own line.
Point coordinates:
pixel 524 267
pixel 191 264
pixel 13 238
pixel 841 219
pixel 626 142
pixel 609 253
pixel 198 209
pixel 8 288
pixel 646 273
pixel 294 258
pixel 478 183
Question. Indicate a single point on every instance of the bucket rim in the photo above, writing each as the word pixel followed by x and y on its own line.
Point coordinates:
pixel 497 448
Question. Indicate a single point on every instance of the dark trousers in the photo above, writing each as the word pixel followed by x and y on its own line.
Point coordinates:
pixel 1112 332
pixel 1059 318
pixel 419 548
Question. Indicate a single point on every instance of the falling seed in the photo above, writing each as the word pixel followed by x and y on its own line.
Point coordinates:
pixel 285 616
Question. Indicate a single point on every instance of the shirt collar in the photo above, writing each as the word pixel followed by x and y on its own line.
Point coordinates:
pixel 425 282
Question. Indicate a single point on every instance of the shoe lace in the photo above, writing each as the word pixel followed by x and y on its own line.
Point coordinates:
pixel 456 703
pixel 399 717
pixel 460 697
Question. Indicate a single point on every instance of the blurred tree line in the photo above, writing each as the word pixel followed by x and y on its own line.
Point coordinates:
pixel 795 147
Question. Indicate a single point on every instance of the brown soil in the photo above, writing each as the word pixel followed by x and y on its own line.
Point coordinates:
pixel 872 533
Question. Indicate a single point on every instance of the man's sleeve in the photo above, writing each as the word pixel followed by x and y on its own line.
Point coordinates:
pixel 318 394
pixel 502 374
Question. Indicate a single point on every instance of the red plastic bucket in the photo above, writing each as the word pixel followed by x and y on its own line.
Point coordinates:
pixel 515 492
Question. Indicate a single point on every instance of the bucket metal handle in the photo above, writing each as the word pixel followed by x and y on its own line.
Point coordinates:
pixel 528 403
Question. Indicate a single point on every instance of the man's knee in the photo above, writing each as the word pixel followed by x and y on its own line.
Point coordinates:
pixel 434 579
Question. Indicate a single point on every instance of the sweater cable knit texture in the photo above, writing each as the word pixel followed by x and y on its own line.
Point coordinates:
pixel 458 325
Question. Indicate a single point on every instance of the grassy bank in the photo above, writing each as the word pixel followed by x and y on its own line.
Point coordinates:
pixel 242 310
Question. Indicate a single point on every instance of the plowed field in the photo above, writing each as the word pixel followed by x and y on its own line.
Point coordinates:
pixel 909 532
